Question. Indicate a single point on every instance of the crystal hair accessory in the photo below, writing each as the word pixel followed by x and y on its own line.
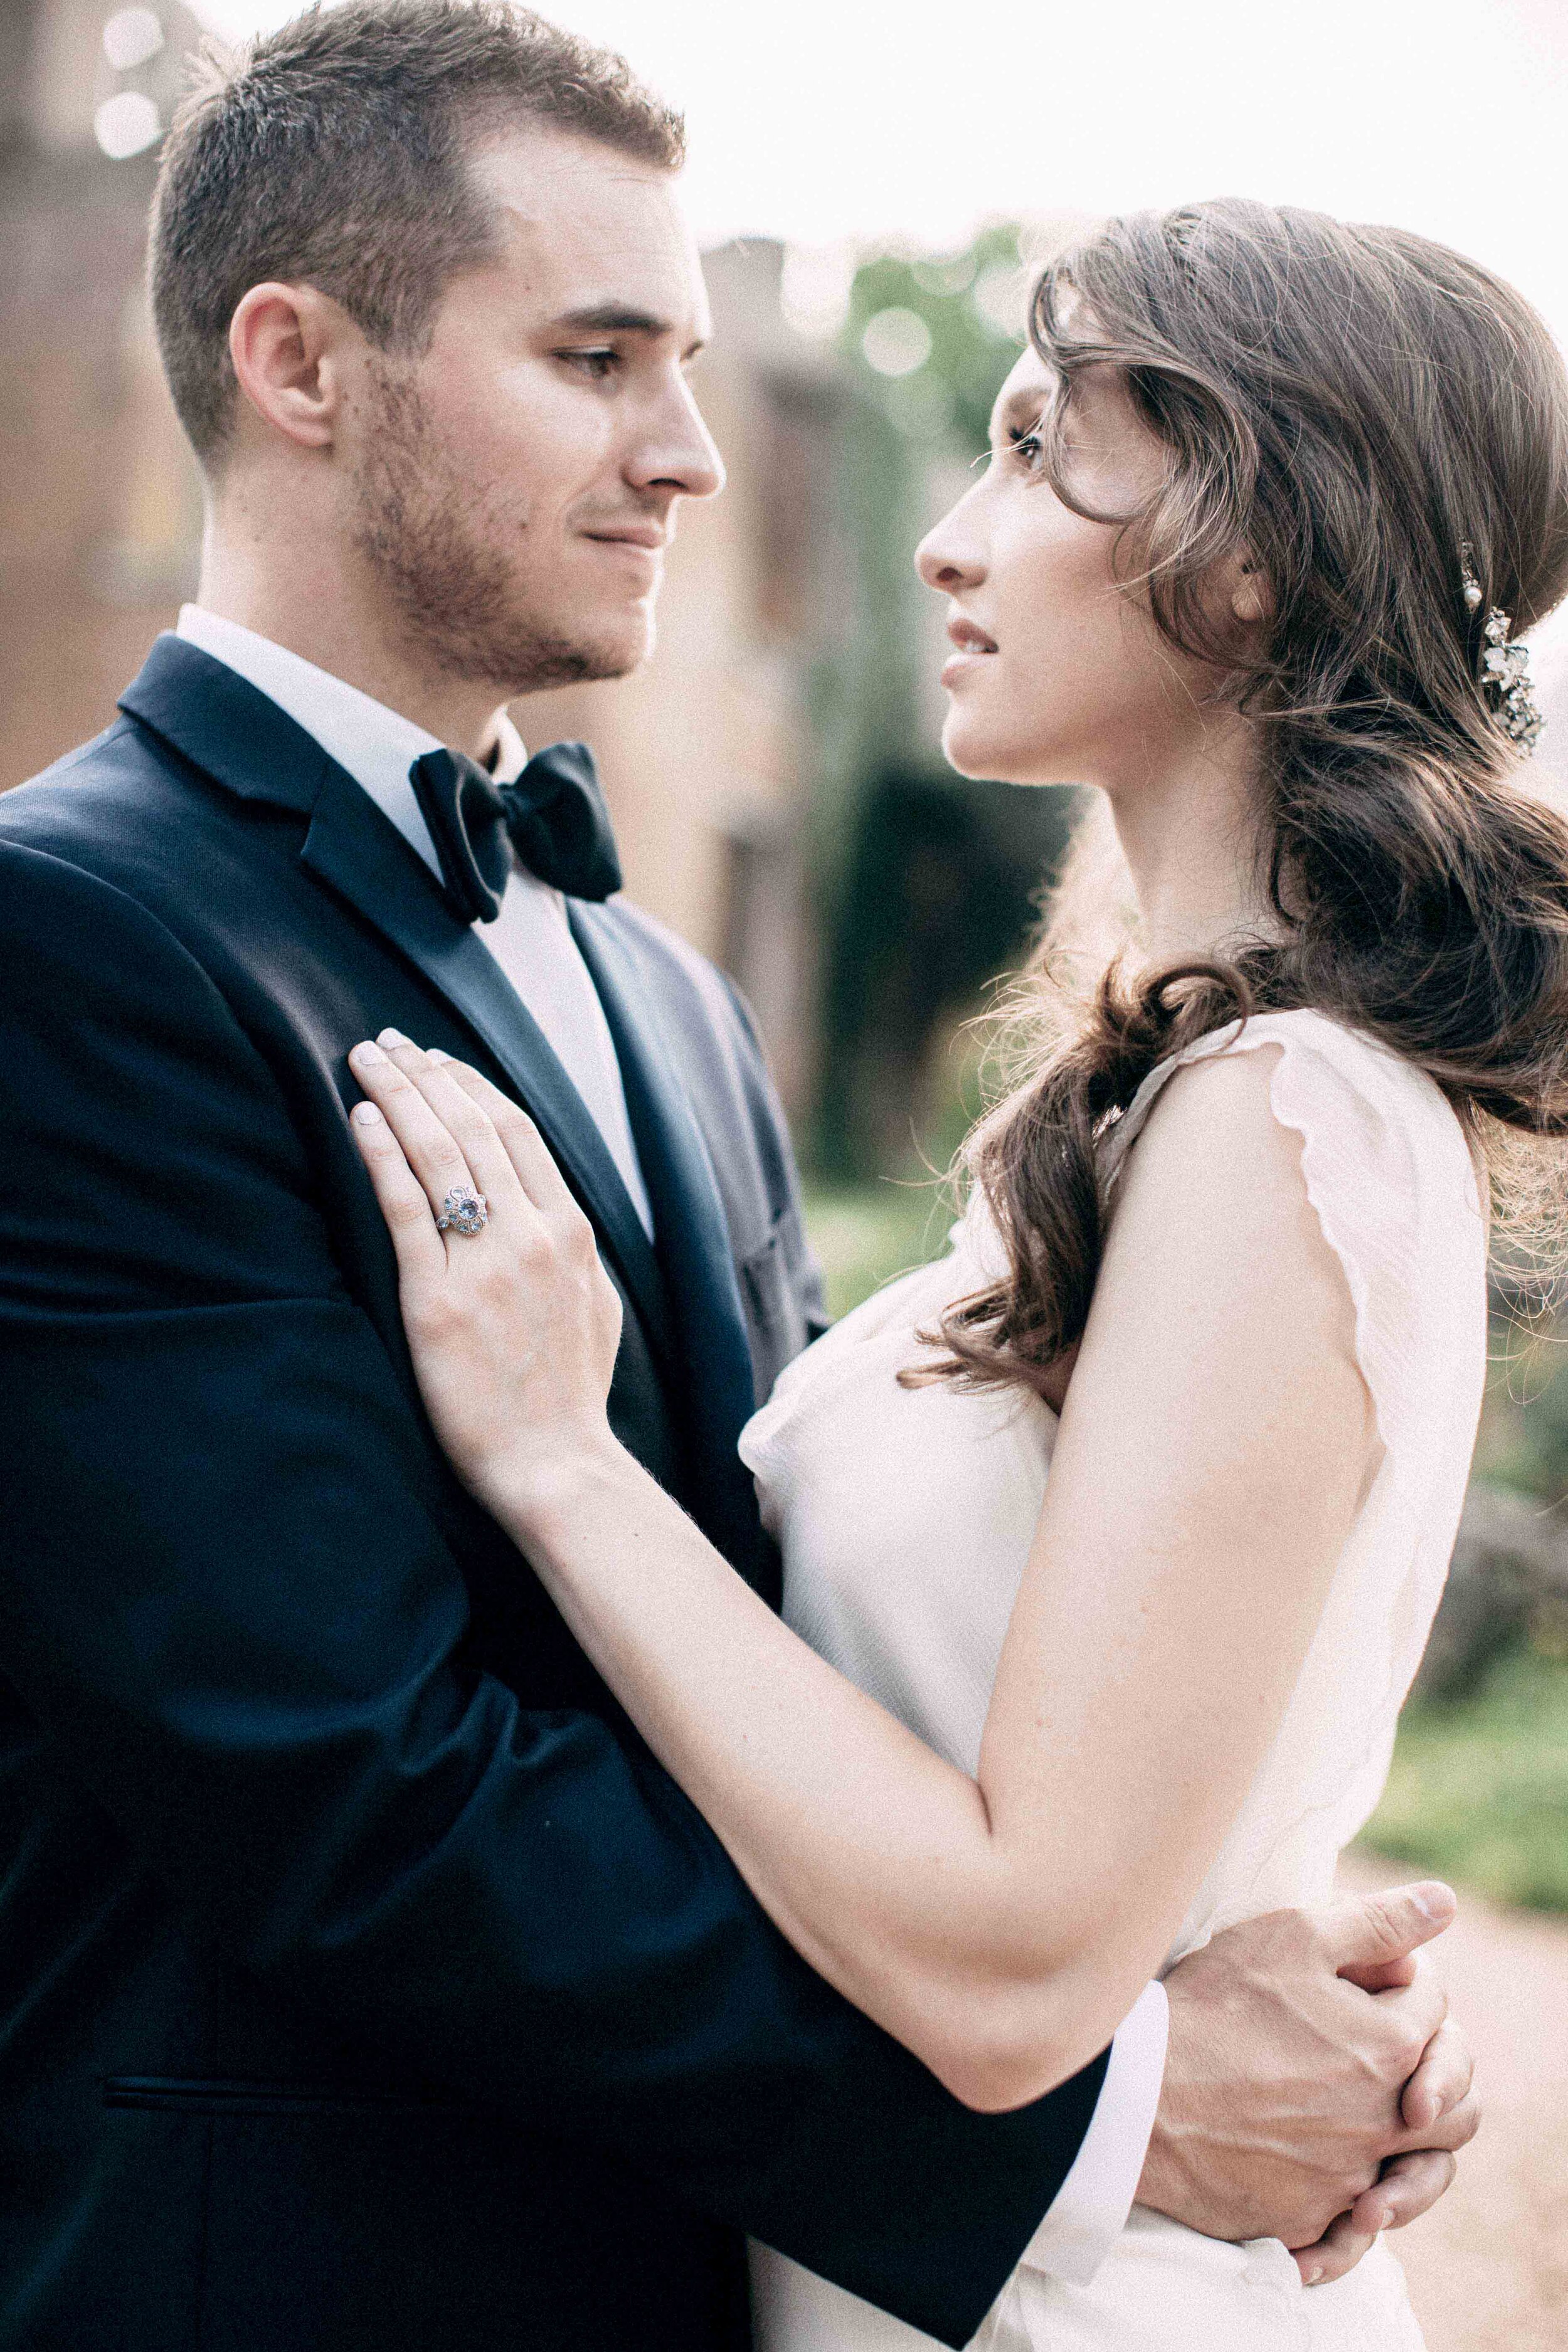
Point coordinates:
pixel 1505 668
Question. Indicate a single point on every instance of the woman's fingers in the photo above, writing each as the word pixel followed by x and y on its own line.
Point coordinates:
pixel 431 1150
pixel 1409 2186
pixel 421 1252
pixel 525 1147
pixel 466 1120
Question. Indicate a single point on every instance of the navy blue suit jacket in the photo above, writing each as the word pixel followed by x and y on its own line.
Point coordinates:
pixel 364 1982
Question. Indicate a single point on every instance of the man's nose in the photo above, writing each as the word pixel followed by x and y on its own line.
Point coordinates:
pixel 679 454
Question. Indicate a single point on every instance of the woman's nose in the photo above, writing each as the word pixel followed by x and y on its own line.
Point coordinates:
pixel 945 564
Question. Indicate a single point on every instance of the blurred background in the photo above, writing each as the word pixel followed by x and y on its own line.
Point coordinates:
pixel 873 189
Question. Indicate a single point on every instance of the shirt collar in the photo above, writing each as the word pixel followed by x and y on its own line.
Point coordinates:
pixel 375 745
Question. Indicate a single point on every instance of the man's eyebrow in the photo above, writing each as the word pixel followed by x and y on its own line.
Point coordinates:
pixel 618 319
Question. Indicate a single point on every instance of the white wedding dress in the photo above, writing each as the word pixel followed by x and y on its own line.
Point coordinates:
pixel 906 1516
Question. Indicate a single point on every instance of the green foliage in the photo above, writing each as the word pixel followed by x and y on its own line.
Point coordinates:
pixel 963 298
pixel 866 1233
pixel 1478 1792
pixel 1524 1430
pixel 926 885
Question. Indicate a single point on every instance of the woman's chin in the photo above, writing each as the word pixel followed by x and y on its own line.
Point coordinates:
pixel 979 752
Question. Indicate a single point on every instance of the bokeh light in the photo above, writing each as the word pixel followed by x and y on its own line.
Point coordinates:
pixel 125 124
pixel 896 342
pixel 131 36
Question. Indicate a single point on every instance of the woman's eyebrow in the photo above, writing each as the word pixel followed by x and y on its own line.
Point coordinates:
pixel 1019 412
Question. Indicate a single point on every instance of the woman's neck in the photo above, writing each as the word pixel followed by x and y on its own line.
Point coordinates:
pixel 1189 834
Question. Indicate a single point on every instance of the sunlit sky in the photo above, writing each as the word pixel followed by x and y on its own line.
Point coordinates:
pixel 829 123
pixel 824 120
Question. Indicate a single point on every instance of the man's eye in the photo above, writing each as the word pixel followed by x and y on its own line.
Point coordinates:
pixel 597 364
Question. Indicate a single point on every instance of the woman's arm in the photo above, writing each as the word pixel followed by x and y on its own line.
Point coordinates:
pixel 1215 1444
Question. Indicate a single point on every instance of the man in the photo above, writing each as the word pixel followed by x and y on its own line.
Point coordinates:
pixel 368 1983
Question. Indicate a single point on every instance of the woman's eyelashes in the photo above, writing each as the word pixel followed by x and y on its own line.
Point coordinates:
pixel 1024 443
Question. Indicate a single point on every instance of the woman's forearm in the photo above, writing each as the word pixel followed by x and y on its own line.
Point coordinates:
pixel 1212 1450
pixel 873 1855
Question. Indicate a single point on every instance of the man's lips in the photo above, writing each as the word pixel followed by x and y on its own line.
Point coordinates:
pixel 636 554
pixel 646 536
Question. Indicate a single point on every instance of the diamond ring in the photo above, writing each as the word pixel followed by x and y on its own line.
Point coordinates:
pixel 463 1211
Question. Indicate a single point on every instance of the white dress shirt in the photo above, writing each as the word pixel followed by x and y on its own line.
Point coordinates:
pixel 533 943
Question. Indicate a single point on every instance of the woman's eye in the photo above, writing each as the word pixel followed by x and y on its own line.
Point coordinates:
pixel 597 365
pixel 1029 448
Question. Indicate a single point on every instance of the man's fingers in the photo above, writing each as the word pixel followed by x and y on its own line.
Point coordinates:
pixel 1411 2186
pixel 1371 1930
pixel 1339 2250
pixel 1413 2016
pixel 1382 1975
pixel 1442 2080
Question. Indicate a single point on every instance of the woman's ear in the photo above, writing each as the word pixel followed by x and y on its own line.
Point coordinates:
pixel 283 341
pixel 1251 598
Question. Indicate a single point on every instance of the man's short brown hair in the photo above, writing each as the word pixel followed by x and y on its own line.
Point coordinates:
pixel 335 153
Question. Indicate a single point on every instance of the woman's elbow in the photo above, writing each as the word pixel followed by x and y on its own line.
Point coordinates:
pixel 997 2050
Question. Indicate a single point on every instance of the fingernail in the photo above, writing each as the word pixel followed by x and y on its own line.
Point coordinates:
pixel 435 1054
pixel 365 1114
pixel 1436 1901
pixel 392 1037
pixel 1380 2217
pixel 1314 2274
pixel 367 1055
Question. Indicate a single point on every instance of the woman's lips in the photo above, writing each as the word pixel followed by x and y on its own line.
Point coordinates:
pixel 973 647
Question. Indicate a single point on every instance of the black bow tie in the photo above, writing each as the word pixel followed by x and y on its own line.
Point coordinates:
pixel 554 818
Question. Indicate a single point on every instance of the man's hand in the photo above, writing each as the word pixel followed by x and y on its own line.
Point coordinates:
pixel 1314 2090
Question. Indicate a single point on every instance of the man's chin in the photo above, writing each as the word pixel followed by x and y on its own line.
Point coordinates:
pixel 585 658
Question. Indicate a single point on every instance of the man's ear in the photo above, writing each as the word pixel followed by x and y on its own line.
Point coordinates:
pixel 286 345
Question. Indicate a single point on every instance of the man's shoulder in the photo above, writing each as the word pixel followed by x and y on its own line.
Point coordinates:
pixel 77 806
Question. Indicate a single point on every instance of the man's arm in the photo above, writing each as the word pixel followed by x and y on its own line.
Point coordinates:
pixel 226 1597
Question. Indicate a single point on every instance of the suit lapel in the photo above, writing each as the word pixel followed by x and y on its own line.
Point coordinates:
pixel 352 846
pixel 239 737
pixel 719 1392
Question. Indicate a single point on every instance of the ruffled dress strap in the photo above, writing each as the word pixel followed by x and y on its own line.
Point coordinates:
pixel 1390 1174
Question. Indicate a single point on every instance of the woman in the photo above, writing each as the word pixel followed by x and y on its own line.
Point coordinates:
pixel 1266 495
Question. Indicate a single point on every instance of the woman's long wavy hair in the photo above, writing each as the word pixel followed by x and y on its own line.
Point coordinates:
pixel 1345 408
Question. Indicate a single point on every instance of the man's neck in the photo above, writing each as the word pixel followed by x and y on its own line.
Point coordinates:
pixel 313 610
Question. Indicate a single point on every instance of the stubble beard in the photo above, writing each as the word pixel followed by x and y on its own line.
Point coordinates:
pixel 444 556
